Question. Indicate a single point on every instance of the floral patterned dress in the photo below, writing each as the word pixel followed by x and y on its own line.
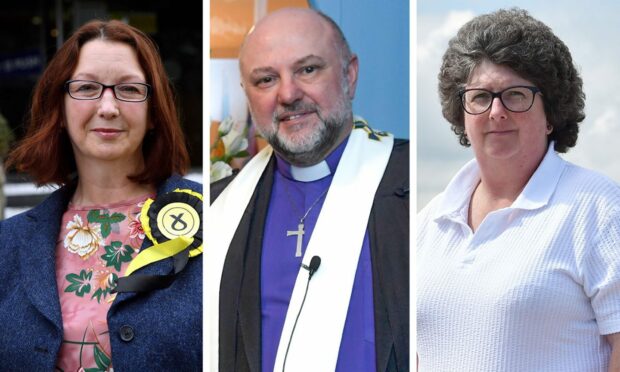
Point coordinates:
pixel 95 247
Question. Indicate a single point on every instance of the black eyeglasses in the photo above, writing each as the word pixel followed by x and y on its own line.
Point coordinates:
pixel 519 98
pixel 90 90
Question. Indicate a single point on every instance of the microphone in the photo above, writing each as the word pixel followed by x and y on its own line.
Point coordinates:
pixel 315 262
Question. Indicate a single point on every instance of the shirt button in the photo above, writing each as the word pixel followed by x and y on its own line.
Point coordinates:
pixel 126 333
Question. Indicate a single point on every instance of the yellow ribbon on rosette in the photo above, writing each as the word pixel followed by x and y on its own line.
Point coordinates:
pixel 173 223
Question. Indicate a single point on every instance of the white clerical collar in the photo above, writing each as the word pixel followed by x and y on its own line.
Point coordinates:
pixel 311 173
pixel 314 172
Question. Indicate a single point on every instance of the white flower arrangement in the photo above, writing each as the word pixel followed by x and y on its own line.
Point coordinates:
pixel 229 144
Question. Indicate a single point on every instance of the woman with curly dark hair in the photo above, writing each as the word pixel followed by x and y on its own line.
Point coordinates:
pixel 518 265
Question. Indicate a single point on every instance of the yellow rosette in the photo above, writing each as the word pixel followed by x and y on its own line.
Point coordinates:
pixel 173 223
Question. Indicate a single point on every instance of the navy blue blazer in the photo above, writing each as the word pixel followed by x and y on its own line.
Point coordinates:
pixel 162 329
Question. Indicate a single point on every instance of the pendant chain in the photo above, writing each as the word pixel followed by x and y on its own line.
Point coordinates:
pixel 290 199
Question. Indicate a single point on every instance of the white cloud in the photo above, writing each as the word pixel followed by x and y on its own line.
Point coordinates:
pixel 433 42
pixel 606 123
pixel 598 143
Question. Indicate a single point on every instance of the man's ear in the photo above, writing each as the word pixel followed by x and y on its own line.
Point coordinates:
pixel 352 70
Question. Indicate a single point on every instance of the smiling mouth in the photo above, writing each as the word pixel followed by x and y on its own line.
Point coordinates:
pixel 292 116
pixel 106 130
pixel 108 133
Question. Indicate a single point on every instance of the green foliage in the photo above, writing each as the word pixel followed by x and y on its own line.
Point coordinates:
pixel 6 136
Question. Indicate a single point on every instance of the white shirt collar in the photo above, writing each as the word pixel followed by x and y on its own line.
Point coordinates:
pixel 536 193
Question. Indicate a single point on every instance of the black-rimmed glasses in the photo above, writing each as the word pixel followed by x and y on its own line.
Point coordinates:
pixel 90 90
pixel 519 98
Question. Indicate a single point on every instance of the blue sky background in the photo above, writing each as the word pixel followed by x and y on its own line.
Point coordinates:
pixel 590 29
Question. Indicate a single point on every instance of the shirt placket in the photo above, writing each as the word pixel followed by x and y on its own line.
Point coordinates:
pixel 474 243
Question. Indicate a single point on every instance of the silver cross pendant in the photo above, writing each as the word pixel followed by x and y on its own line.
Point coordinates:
pixel 300 233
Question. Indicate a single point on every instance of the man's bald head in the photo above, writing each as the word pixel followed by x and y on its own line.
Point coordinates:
pixel 280 21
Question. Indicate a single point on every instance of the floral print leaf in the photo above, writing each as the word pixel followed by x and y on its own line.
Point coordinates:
pixel 100 292
pixel 80 284
pixel 94 370
pixel 104 283
pixel 116 254
pixel 101 359
pixel 105 220
pixel 106 229
pixel 93 215
pixel 117 217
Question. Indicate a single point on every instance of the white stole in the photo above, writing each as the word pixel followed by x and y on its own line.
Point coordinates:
pixel 337 238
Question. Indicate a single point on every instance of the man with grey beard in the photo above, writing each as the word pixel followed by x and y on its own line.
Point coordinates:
pixel 328 200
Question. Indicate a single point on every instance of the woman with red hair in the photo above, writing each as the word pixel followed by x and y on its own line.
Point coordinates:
pixel 104 127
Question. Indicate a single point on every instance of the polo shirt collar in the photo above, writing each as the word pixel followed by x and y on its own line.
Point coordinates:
pixel 455 198
pixel 536 194
pixel 543 182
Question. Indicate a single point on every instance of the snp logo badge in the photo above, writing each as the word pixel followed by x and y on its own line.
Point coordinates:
pixel 173 215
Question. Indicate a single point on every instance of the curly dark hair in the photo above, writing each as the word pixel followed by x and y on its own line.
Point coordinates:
pixel 513 38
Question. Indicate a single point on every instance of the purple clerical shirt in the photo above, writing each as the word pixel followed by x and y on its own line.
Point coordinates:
pixel 290 199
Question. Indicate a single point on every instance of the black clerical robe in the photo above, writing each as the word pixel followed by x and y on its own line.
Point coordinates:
pixel 388 227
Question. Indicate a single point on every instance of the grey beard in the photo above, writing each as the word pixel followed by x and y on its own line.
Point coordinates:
pixel 327 136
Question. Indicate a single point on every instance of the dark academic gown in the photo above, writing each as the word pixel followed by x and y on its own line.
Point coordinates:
pixel 388 227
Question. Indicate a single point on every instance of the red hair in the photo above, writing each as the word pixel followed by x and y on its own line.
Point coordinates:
pixel 46 153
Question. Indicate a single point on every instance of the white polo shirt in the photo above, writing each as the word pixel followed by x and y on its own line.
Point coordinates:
pixel 534 288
